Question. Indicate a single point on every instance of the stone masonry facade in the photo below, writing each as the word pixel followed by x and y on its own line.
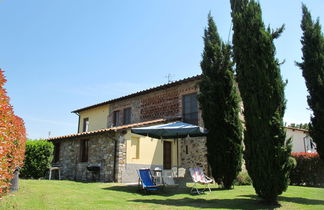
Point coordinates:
pixel 108 150
pixel 165 103
pixel 101 153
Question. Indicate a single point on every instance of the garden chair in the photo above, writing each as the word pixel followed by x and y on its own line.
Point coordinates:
pixel 198 177
pixel 146 180
pixel 168 177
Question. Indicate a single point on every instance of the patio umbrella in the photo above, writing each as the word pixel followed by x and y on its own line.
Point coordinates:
pixel 172 130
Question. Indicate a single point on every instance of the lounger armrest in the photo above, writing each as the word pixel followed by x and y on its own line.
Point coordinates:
pixel 209 179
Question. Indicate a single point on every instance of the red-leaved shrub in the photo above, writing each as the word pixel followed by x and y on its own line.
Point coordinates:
pixel 309 170
pixel 12 139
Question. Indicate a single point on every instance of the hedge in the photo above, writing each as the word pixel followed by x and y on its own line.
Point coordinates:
pixel 38 158
pixel 243 178
pixel 12 139
pixel 309 170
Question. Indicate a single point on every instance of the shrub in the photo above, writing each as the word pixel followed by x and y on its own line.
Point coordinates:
pixel 309 170
pixel 243 178
pixel 38 158
pixel 12 140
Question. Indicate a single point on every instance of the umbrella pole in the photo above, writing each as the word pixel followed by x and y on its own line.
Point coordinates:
pixel 177 158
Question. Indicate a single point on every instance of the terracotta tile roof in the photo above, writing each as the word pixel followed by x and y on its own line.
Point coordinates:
pixel 110 129
pixel 298 129
pixel 188 79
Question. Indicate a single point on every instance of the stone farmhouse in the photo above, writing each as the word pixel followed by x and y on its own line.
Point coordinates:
pixel 105 149
pixel 104 141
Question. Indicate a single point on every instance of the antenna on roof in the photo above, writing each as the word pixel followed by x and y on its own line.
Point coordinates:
pixel 49 134
pixel 169 77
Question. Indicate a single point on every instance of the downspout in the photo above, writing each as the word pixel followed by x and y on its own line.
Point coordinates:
pixel 115 160
pixel 76 153
pixel 115 157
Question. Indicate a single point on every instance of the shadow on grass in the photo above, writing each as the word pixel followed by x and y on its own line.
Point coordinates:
pixel 303 201
pixel 163 191
pixel 238 203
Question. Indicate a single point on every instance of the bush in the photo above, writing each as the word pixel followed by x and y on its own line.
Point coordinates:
pixel 38 158
pixel 309 170
pixel 243 178
pixel 12 140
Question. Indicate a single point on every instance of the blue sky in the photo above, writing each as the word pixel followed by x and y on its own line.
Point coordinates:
pixel 62 55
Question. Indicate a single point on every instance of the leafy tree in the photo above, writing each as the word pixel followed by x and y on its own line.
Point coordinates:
pixel 219 102
pixel 262 90
pixel 313 72
pixel 12 139
pixel 38 158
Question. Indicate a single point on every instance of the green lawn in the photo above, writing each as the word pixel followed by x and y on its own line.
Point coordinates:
pixel 44 194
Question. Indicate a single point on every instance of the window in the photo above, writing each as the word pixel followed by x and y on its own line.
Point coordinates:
pixel 56 153
pixel 190 109
pixel 127 116
pixel 116 118
pixel 84 147
pixel 135 147
pixel 85 124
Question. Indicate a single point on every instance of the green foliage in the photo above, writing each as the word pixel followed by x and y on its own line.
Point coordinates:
pixel 301 125
pixel 313 72
pixel 262 90
pixel 38 158
pixel 12 139
pixel 243 178
pixel 219 101
pixel 309 170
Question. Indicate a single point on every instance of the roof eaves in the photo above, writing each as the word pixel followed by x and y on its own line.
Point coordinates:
pixel 298 129
pixel 188 79
pixel 112 129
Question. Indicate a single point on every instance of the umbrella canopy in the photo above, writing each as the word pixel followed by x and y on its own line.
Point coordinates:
pixel 171 130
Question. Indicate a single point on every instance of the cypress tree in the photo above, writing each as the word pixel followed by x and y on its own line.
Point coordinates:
pixel 219 101
pixel 262 90
pixel 313 72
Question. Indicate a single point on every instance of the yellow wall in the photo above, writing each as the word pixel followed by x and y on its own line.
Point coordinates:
pixel 97 117
pixel 150 150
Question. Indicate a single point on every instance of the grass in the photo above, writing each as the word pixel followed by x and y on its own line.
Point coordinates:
pixel 44 194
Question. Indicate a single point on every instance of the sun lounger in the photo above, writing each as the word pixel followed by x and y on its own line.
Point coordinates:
pixel 198 177
pixel 146 180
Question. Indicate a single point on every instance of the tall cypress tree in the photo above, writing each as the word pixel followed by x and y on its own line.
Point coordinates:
pixel 313 72
pixel 262 90
pixel 219 101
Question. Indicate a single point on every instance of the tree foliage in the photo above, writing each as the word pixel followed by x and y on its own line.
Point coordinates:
pixel 219 101
pixel 313 72
pixel 262 91
pixel 300 125
pixel 38 158
pixel 12 139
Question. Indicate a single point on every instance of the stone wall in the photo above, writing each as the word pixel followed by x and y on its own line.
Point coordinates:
pixel 100 152
pixel 166 103
pixel 193 153
pixel 121 158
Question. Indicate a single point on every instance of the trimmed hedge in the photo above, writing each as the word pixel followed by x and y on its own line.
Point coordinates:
pixel 38 158
pixel 309 170
pixel 12 139
pixel 243 178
